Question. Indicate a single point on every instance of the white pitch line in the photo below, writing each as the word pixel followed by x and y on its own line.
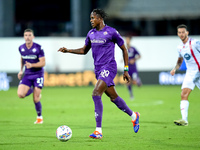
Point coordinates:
pixel 154 103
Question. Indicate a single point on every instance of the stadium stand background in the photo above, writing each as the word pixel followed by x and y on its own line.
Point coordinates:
pixel 67 18
pixel 66 23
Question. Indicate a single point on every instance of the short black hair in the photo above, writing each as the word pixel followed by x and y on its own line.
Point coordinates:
pixel 181 26
pixel 29 30
pixel 100 12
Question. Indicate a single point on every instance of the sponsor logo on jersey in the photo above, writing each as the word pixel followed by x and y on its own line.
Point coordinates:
pixel 100 41
pixel 29 57
pixel 187 56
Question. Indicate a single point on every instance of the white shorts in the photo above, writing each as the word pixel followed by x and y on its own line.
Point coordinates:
pixel 188 81
pixel 134 76
pixel 197 79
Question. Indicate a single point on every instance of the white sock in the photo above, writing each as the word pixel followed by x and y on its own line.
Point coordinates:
pixel 99 129
pixel 40 117
pixel 133 116
pixel 184 109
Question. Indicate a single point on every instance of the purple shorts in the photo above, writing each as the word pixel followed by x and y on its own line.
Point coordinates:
pixel 133 74
pixel 133 71
pixel 35 80
pixel 107 75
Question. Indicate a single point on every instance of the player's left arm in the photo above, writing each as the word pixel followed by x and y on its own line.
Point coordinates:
pixel 137 55
pixel 39 64
pixel 120 42
pixel 126 76
pixel 197 46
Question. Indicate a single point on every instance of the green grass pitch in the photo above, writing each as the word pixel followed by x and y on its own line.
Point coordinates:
pixel 73 106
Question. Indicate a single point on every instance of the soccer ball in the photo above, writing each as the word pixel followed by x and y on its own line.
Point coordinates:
pixel 63 133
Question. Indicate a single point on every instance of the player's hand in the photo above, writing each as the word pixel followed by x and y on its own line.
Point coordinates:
pixel 28 65
pixel 63 50
pixel 132 61
pixel 172 72
pixel 20 75
pixel 126 76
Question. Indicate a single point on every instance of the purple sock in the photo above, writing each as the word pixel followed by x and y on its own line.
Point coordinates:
pixel 38 108
pixel 29 91
pixel 130 90
pixel 121 104
pixel 98 110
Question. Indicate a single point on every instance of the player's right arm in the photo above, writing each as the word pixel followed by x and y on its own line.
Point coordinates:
pixel 21 70
pixel 178 64
pixel 82 51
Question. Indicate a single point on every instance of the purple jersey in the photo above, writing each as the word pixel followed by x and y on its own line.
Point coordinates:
pixel 103 46
pixel 132 53
pixel 32 55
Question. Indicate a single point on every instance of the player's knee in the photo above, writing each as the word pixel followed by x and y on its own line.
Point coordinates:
pixel 21 95
pixel 134 82
pixel 184 95
pixel 96 93
pixel 112 98
pixel 36 98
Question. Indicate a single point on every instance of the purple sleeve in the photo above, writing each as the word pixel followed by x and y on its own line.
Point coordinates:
pixel 41 53
pixel 136 52
pixel 117 38
pixel 20 49
pixel 87 40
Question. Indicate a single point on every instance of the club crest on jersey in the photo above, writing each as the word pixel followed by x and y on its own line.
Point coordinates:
pixel 96 115
pixel 187 56
pixel 34 50
pixel 105 33
pixel 22 49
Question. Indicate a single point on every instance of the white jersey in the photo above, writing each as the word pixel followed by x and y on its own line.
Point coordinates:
pixel 192 59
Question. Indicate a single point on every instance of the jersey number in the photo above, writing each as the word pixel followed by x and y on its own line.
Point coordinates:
pixel 40 81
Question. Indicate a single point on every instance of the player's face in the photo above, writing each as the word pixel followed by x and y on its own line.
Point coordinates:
pixel 95 20
pixel 28 36
pixel 182 33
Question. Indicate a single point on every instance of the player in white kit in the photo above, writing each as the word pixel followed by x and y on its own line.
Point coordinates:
pixel 189 50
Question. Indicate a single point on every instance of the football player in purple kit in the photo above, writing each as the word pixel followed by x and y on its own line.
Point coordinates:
pixel 33 58
pixel 102 39
pixel 133 55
